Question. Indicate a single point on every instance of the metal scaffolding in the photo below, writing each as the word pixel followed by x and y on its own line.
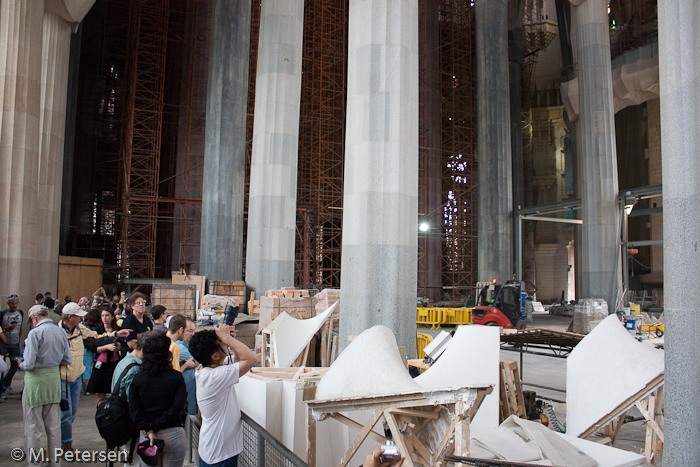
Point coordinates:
pixel 321 144
pixel 141 144
pixel 459 213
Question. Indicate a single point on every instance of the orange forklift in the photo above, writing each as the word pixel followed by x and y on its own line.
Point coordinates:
pixel 500 305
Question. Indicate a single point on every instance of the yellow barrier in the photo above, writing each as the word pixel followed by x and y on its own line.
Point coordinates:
pixel 421 341
pixel 435 317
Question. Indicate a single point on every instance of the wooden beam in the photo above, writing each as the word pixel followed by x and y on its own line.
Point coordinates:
pixel 360 438
pixel 357 427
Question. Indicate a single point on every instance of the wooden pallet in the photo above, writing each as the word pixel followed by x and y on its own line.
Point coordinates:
pixel 512 401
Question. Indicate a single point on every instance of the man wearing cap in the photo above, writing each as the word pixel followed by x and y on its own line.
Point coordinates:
pixel 71 375
pixel 11 322
pixel 45 349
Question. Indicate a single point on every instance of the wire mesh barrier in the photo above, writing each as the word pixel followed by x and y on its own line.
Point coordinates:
pixel 260 448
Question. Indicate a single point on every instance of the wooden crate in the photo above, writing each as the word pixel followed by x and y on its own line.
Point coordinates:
pixel 227 288
pixel 298 307
pixel 176 298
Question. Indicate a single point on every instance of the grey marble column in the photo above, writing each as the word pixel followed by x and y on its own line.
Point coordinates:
pixel 600 249
pixel 494 142
pixel 54 89
pixel 679 79
pixel 223 192
pixel 273 170
pixel 20 92
pixel 380 217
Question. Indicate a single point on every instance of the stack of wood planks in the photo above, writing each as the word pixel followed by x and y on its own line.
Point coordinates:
pixel 331 328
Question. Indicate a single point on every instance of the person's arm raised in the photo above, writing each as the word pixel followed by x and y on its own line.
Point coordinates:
pixel 245 357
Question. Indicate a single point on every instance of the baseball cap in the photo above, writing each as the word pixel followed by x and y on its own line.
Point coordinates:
pixel 72 308
pixel 37 308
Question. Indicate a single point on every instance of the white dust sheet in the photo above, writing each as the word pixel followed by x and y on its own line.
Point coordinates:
pixel 605 369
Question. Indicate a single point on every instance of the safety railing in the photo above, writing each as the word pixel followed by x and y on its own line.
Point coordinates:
pixel 435 317
pixel 260 448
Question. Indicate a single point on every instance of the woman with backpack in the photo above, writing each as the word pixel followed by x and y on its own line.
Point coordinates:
pixel 157 401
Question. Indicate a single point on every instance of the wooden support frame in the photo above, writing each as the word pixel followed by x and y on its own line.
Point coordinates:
pixel 512 401
pixel 649 401
pixel 407 416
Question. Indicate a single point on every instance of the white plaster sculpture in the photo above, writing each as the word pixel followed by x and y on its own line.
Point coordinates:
pixel 292 335
pixel 370 366
pixel 603 371
pixel 471 358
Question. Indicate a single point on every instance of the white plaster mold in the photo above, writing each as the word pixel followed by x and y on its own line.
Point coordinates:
pixel 291 335
pixel 471 358
pixel 605 370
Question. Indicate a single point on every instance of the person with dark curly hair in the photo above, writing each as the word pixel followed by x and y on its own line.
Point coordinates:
pixel 221 437
pixel 107 358
pixel 157 401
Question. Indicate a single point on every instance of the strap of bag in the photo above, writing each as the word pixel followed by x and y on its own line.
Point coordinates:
pixel 118 385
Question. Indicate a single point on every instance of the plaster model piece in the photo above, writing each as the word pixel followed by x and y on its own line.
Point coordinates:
pixel 518 440
pixel 370 366
pixel 292 335
pixel 606 369
pixel 471 358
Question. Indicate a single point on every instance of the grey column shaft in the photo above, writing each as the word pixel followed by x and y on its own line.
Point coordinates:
pixel 600 250
pixel 20 91
pixel 380 203
pixel 54 89
pixel 494 142
pixel 273 170
pixel 221 248
pixel 679 78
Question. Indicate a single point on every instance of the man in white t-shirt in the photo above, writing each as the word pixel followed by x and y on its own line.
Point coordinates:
pixel 221 437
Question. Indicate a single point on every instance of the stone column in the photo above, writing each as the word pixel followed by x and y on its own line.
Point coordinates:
pixel 380 217
pixel 20 91
pixel 273 170
pixel 221 245
pixel 679 78
pixel 600 249
pixel 54 88
pixel 494 142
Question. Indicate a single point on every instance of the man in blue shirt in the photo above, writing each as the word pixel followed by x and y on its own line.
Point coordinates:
pixel 188 367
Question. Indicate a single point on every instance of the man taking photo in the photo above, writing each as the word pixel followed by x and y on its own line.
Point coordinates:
pixel 221 437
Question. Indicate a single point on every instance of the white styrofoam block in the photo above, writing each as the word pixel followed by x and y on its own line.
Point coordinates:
pixel 471 358
pixel 605 369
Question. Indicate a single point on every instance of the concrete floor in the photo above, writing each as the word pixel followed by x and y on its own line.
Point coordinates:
pixel 537 369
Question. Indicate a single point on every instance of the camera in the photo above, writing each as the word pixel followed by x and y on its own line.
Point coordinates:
pixel 391 452
pixel 230 313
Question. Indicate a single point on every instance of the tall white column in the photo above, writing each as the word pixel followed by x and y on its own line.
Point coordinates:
pixel 20 91
pixel 380 203
pixel 273 170
pixel 494 133
pixel 54 89
pixel 600 249
pixel 679 82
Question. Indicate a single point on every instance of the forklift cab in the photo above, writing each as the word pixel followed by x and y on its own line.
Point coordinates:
pixel 503 306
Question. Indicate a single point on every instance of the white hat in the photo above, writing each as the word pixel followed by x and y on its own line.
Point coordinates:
pixel 72 308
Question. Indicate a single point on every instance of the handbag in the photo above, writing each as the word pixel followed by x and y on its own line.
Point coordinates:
pixel 149 454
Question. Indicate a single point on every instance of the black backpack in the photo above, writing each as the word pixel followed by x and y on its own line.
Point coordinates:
pixel 113 419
